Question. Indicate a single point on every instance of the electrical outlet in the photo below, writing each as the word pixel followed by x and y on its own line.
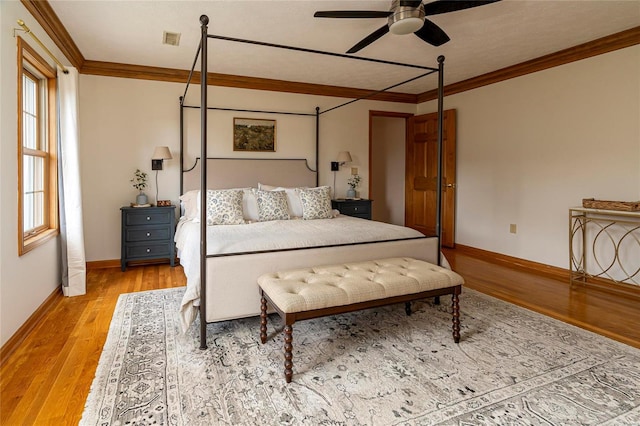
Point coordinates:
pixel 512 228
pixel 354 170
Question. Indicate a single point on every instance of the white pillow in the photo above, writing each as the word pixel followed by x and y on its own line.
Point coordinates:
pixel 316 203
pixel 249 205
pixel 263 187
pixel 190 204
pixel 293 198
pixel 224 207
pixel 272 205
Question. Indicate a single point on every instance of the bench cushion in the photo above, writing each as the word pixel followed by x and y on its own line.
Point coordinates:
pixel 320 287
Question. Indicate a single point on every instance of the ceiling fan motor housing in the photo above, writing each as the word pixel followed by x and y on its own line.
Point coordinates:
pixel 405 19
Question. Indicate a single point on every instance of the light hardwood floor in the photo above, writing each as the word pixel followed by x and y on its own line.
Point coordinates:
pixel 47 379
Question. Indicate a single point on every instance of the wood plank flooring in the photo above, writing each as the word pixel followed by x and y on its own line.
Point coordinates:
pixel 609 314
pixel 47 379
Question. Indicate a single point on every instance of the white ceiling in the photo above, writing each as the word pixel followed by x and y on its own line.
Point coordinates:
pixel 483 39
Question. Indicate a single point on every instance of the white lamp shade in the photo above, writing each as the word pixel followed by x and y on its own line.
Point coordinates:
pixel 161 153
pixel 344 157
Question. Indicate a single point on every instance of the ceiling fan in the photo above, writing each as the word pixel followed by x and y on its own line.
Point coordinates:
pixel 407 16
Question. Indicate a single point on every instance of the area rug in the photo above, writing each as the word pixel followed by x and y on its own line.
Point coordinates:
pixel 374 367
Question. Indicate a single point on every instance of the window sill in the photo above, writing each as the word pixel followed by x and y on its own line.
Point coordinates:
pixel 36 241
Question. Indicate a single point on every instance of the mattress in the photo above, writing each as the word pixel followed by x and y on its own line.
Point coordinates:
pixel 271 235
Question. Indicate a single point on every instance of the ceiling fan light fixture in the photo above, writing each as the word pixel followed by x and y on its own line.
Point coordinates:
pixel 406 20
pixel 406 26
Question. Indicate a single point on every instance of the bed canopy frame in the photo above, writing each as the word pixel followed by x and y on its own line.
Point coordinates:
pixel 202 53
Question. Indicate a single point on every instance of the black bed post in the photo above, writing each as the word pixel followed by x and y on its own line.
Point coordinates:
pixel 318 146
pixel 204 20
pixel 439 178
pixel 181 144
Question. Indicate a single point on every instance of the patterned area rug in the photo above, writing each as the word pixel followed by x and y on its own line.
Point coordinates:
pixel 374 367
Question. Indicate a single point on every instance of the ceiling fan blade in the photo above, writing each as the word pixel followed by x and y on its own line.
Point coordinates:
pixel 352 14
pixel 432 34
pixel 370 39
pixel 410 3
pixel 445 6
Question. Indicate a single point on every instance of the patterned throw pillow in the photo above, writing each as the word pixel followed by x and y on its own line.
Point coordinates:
pixel 293 198
pixel 224 207
pixel 272 205
pixel 316 203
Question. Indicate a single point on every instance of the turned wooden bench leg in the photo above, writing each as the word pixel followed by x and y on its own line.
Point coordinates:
pixel 263 320
pixel 288 355
pixel 456 316
pixel 407 308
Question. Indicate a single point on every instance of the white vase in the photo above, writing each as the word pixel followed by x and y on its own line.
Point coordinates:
pixel 351 193
pixel 141 199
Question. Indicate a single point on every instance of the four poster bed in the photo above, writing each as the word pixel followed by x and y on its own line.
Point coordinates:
pixel 222 262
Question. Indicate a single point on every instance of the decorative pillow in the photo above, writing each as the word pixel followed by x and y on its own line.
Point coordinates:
pixel 272 205
pixel 316 203
pixel 293 198
pixel 224 207
pixel 190 205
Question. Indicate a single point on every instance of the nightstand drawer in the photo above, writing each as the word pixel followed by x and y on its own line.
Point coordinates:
pixel 154 217
pixel 355 209
pixel 148 250
pixel 147 234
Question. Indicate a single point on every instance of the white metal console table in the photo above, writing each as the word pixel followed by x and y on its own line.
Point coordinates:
pixel 604 244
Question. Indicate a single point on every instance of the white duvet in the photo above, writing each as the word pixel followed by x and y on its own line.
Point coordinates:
pixel 259 236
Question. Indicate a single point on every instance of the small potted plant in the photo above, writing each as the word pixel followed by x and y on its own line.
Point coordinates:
pixel 353 183
pixel 139 182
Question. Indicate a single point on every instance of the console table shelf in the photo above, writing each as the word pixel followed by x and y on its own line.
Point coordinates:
pixel 604 244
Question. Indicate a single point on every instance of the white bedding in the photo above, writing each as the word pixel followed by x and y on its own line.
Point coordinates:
pixel 269 236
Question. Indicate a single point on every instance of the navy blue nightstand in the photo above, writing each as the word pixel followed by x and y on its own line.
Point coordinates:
pixel 147 233
pixel 357 208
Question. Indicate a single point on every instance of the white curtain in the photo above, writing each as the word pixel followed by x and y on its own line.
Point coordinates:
pixel 74 270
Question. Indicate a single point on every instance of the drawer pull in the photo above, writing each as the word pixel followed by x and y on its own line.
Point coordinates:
pixel 148 218
pixel 148 234
pixel 148 250
pixel 355 208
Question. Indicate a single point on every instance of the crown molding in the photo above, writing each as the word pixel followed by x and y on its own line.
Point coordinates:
pixel 49 21
pixel 596 47
pixel 112 69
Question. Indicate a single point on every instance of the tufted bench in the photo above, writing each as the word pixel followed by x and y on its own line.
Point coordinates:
pixel 334 289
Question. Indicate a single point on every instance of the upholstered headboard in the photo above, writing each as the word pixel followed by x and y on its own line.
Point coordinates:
pixel 247 172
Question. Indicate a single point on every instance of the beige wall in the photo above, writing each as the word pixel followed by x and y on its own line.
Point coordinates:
pixel 531 147
pixel 25 281
pixel 122 120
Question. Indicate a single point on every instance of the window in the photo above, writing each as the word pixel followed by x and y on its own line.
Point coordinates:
pixel 37 169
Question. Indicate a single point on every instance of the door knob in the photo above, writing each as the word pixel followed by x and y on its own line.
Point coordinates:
pixel 450 185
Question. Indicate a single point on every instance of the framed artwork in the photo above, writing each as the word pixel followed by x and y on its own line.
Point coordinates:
pixel 251 134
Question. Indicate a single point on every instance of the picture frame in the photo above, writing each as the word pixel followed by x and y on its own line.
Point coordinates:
pixel 254 134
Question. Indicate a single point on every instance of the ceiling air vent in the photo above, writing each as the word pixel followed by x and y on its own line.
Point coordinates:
pixel 172 39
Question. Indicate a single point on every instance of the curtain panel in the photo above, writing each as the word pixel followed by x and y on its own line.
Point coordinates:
pixel 74 269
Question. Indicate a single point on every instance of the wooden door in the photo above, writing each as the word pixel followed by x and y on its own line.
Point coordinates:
pixel 422 172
